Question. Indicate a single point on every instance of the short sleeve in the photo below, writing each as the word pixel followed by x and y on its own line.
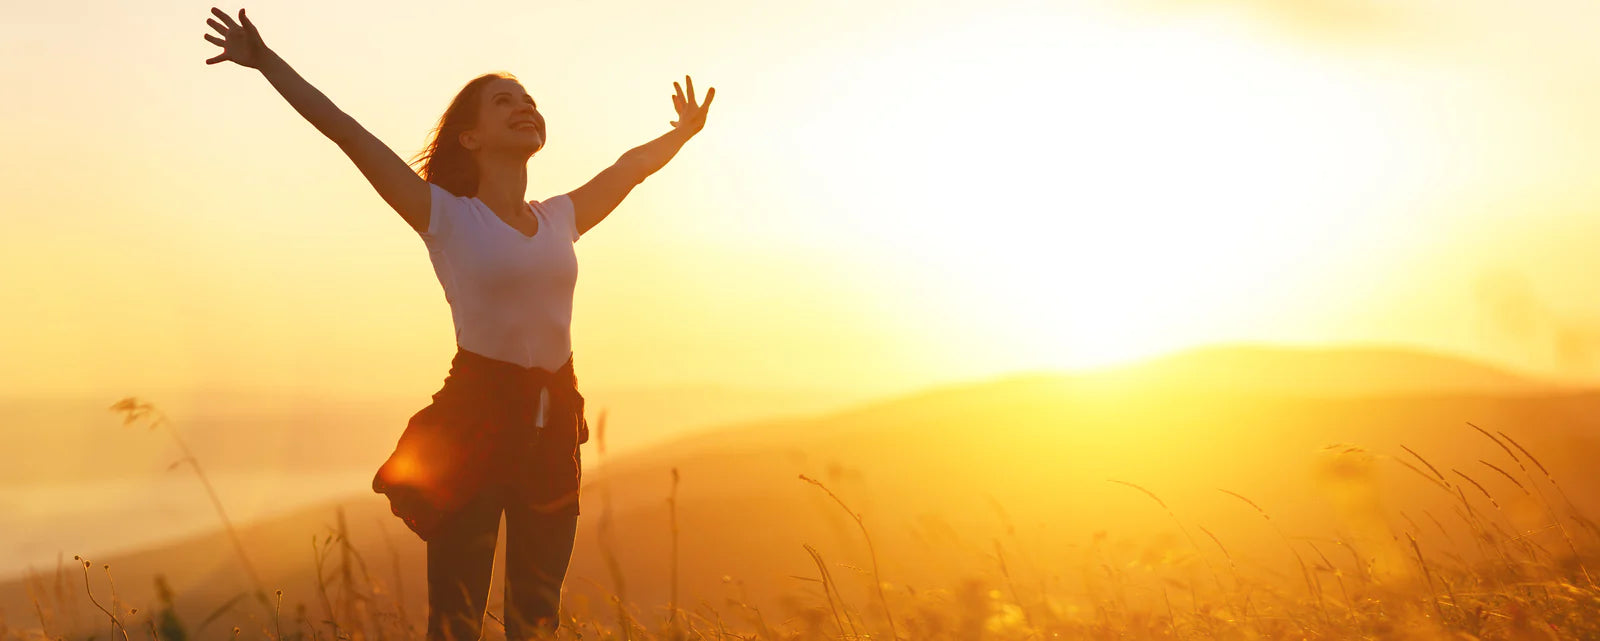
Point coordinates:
pixel 441 214
pixel 562 213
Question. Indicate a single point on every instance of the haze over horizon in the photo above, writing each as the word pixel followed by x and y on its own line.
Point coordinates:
pixel 1024 461
pixel 336 435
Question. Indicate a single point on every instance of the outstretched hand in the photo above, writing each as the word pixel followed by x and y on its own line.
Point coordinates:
pixel 240 43
pixel 691 115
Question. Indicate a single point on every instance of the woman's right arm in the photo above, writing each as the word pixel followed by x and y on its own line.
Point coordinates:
pixel 395 181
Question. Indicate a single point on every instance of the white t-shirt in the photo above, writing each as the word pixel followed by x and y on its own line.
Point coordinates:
pixel 510 294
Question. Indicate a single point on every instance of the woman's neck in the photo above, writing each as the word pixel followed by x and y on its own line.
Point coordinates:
pixel 503 185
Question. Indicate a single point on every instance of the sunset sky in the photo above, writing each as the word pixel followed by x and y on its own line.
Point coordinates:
pixel 888 194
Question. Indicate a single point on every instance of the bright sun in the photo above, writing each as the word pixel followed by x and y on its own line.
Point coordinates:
pixel 1102 193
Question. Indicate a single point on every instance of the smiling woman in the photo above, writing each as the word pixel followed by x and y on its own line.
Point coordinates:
pixel 502 436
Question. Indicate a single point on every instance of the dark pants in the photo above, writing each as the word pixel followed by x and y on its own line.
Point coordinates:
pixel 461 557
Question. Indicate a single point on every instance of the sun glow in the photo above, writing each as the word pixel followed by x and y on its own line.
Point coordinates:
pixel 931 191
pixel 1162 182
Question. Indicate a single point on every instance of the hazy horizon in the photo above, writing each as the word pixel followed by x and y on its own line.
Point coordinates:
pixel 89 469
pixel 1022 461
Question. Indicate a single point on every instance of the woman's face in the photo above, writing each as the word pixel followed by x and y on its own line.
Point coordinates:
pixel 508 120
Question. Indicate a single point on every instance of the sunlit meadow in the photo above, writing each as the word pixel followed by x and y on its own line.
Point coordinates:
pixel 1001 319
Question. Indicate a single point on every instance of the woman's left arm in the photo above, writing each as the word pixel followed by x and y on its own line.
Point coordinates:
pixel 593 201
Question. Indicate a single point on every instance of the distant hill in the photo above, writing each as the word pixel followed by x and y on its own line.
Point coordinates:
pixel 944 476
pixel 1366 371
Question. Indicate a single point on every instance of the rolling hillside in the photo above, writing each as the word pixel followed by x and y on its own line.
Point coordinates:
pixel 943 477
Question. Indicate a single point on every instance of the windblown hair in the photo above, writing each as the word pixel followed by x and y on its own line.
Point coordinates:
pixel 444 162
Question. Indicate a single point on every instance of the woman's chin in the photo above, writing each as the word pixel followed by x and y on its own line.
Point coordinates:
pixel 523 148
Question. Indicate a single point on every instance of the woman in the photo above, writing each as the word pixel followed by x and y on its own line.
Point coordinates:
pixel 502 434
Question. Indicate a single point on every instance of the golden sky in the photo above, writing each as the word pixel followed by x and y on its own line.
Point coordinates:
pixel 887 195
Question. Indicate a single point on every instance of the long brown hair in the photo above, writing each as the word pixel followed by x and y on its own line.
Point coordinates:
pixel 444 161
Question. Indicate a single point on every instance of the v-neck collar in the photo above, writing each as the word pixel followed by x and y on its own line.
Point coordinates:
pixel 539 223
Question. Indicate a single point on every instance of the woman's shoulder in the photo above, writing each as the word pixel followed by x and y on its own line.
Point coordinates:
pixel 560 211
pixel 553 202
pixel 443 209
pixel 446 198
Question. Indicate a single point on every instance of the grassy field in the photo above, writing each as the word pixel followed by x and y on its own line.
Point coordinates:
pixel 1457 532
pixel 1503 582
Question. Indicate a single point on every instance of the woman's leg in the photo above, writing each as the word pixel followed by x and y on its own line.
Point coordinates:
pixel 538 548
pixel 460 562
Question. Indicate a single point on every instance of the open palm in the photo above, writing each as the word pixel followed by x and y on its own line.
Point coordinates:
pixel 240 43
pixel 691 114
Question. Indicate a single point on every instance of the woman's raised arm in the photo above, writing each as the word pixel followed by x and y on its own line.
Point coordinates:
pixel 595 200
pixel 395 181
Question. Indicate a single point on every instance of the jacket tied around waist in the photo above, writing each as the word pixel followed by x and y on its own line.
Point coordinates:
pixel 492 423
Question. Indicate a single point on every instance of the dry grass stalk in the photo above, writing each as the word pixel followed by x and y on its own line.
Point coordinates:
pixel 877 579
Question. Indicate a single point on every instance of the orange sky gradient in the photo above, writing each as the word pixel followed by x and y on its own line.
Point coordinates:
pixel 888 195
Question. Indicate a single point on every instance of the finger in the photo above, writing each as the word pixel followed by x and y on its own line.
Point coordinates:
pixel 711 94
pixel 217 58
pixel 216 41
pixel 246 21
pixel 225 18
pixel 678 88
pixel 690 83
pixel 677 104
pixel 218 26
